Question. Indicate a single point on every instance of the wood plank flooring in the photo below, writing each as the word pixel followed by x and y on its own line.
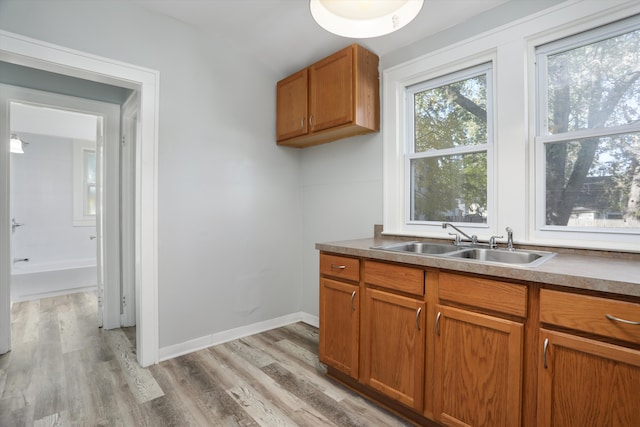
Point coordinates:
pixel 64 371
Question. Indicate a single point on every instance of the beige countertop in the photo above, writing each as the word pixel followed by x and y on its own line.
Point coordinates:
pixel 610 273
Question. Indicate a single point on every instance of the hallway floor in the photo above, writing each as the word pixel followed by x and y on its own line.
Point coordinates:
pixel 65 371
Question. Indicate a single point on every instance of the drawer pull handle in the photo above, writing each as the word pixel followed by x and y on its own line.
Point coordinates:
pixel 418 318
pixel 544 353
pixel 338 267
pixel 438 323
pixel 353 296
pixel 617 319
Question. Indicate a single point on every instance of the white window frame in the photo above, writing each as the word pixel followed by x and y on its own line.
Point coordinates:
pixel 511 48
pixel 409 149
pixel 542 136
pixel 80 148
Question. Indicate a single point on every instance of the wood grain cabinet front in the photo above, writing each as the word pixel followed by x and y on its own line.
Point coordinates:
pixel 337 97
pixel 393 328
pixel 582 380
pixel 478 370
pixel 340 313
pixel 339 326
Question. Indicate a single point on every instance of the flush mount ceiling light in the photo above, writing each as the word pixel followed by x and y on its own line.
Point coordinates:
pixel 364 18
pixel 15 145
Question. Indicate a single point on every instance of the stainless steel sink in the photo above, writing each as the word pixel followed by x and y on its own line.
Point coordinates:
pixel 419 248
pixel 516 258
pixel 502 256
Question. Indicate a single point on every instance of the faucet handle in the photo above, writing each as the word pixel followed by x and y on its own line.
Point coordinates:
pixel 457 240
pixel 492 241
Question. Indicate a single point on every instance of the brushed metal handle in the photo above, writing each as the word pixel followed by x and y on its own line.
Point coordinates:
pixel 353 296
pixel 438 323
pixel 544 352
pixel 617 319
pixel 338 267
pixel 418 317
pixel 302 123
pixel 311 121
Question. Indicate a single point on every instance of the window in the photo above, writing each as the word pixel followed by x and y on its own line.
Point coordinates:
pixel 84 183
pixel 448 145
pixel 557 158
pixel 588 131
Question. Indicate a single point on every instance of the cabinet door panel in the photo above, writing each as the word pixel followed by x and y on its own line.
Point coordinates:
pixel 587 383
pixel 393 353
pixel 292 106
pixel 339 325
pixel 478 369
pixel 331 91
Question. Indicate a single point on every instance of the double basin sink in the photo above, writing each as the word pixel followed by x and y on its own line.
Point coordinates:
pixel 515 258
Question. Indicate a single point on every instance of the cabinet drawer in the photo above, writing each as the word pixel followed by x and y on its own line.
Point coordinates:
pixel 503 297
pixel 590 314
pixel 340 266
pixel 396 277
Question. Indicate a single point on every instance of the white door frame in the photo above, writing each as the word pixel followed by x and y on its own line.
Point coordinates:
pixel 128 145
pixel 41 55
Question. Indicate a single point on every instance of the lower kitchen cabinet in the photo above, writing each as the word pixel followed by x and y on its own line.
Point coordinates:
pixel 478 369
pixel 459 349
pixel 339 325
pixel 584 382
pixel 393 346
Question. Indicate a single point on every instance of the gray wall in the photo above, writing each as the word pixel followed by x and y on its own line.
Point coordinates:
pixel 227 193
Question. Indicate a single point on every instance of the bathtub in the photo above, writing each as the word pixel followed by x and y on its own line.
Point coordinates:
pixel 40 280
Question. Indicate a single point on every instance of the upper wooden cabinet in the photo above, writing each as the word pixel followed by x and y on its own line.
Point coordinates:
pixel 334 98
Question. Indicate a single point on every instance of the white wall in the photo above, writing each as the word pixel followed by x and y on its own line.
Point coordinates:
pixel 42 199
pixel 229 199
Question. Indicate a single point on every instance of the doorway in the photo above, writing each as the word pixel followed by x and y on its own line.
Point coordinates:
pixel 17 49
pixel 54 200
pixel 46 115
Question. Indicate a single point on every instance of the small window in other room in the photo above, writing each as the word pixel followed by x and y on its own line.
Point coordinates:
pixel 84 183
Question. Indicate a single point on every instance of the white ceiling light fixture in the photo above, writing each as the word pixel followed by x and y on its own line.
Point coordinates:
pixel 15 145
pixel 360 19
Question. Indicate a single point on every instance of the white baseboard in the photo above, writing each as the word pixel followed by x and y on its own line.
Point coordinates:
pixel 169 352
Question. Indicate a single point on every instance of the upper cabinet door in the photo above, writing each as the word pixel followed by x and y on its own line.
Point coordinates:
pixel 343 99
pixel 292 106
pixel 331 91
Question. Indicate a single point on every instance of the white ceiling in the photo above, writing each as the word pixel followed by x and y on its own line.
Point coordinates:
pixel 283 34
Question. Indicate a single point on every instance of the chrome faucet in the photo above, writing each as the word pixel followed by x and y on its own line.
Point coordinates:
pixel 509 231
pixel 473 238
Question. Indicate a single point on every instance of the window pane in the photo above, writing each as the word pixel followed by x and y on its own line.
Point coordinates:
pixel 90 163
pixel 451 115
pixel 595 86
pixel 449 188
pixel 90 200
pixel 594 182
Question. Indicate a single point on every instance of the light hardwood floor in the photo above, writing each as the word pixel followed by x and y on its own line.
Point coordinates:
pixel 64 371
